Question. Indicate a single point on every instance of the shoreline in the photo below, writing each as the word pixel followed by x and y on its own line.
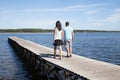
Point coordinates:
pixel 29 30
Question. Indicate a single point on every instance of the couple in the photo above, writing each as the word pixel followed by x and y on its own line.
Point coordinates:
pixel 68 34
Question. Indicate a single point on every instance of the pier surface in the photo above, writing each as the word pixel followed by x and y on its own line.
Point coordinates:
pixel 88 68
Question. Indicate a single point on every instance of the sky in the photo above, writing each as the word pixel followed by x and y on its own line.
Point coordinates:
pixel 43 14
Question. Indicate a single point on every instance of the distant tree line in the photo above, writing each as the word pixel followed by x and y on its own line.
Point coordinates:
pixel 89 31
pixel 26 30
pixel 94 31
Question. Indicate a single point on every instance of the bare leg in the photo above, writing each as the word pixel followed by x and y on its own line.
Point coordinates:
pixel 70 51
pixel 67 50
pixel 60 47
pixel 70 48
pixel 54 51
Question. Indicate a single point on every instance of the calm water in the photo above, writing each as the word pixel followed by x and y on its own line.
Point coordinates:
pixel 99 46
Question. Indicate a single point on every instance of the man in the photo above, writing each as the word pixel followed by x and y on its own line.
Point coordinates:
pixel 68 39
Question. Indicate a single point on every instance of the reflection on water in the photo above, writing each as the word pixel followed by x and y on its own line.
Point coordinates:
pixel 11 68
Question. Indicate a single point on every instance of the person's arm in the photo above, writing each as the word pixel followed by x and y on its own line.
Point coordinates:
pixel 54 34
pixel 72 35
pixel 62 34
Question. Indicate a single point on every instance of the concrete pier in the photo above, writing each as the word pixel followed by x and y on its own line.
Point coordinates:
pixel 75 68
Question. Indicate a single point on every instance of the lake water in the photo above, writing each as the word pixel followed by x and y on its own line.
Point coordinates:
pixel 103 46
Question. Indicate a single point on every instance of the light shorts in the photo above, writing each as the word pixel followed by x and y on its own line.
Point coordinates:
pixel 68 43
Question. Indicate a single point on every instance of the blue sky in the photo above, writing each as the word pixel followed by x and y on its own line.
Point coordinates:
pixel 82 14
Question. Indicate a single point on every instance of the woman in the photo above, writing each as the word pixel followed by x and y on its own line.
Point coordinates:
pixel 58 34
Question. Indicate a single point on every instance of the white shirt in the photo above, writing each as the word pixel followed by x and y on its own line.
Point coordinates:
pixel 58 34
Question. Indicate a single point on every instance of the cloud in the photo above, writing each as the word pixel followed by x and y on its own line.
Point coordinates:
pixel 38 23
pixel 114 18
pixel 64 9
pixel 98 24
pixel 117 10
pixel 91 12
pixel 44 24
pixel 83 6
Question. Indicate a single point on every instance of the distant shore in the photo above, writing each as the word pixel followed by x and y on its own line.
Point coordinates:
pixel 29 30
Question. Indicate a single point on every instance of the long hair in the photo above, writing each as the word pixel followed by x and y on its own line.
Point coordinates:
pixel 58 25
